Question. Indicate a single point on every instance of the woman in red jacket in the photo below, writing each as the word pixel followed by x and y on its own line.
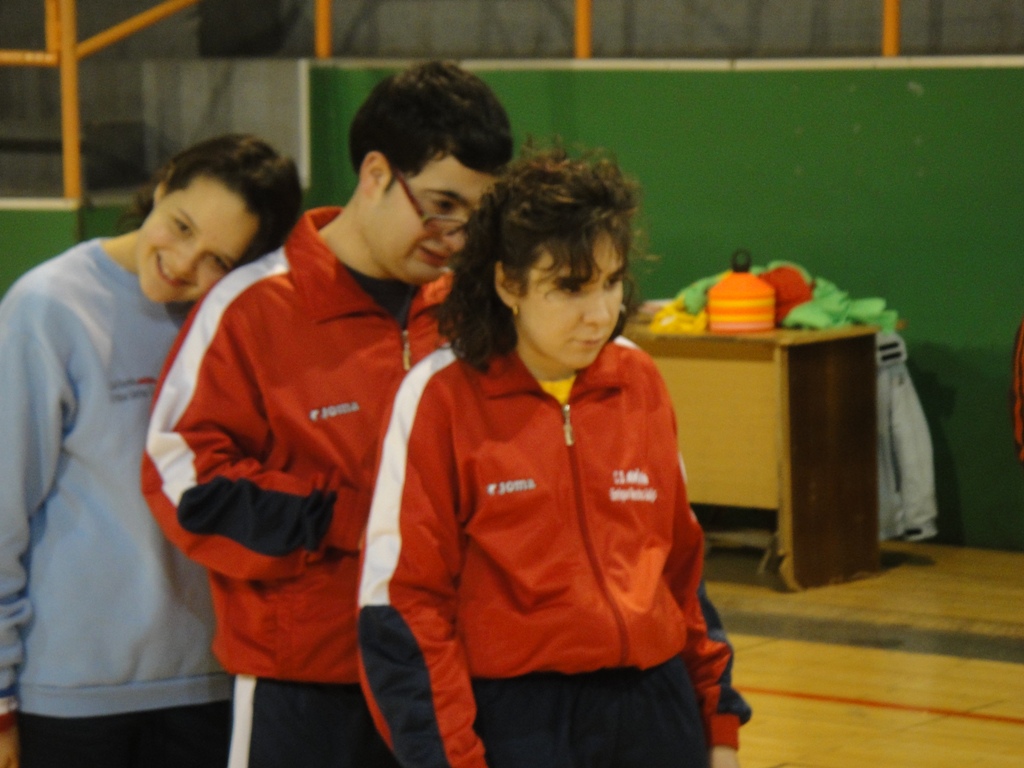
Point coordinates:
pixel 529 595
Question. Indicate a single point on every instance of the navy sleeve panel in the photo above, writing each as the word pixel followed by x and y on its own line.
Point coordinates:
pixel 730 702
pixel 270 523
pixel 398 678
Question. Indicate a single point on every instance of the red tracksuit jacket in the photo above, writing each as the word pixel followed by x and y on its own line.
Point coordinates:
pixel 262 447
pixel 510 535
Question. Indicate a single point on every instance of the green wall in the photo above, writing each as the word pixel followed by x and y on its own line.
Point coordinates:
pixel 29 234
pixel 905 183
pixel 33 231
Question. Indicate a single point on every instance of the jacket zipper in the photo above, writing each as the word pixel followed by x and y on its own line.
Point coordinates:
pixel 406 350
pixel 588 543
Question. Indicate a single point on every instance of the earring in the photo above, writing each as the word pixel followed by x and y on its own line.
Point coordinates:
pixel 515 310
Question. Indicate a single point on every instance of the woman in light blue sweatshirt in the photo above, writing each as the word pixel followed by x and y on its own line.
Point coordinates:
pixel 105 627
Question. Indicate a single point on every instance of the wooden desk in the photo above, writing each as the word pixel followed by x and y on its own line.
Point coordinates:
pixel 783 420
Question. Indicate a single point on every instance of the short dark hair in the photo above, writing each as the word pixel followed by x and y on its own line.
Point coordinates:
pixel 265 180
pixel 428 111
pixel 545 201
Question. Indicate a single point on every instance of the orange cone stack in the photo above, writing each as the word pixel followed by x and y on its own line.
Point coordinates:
pixel 741 302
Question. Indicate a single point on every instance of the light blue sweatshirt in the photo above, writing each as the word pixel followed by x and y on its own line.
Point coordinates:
pixel 99 614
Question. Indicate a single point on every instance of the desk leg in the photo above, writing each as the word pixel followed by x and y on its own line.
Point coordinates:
pixel 828 519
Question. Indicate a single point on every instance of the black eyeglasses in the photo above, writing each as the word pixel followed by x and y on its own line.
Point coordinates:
pixel 438 224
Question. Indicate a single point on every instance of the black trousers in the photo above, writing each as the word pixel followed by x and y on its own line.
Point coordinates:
pixel 307 725
pixel 193 736
pixel 613 718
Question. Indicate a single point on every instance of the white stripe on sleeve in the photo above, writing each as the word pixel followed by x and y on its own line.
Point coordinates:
pixel 383 532
pixel 168 450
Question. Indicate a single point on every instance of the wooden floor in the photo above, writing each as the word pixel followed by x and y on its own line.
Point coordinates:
pixel 921 666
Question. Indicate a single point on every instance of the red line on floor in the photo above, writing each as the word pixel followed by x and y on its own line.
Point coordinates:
pixel 887 705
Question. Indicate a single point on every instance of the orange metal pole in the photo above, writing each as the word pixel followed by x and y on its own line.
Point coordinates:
pixel 28 58
pixel 46 58
pixel 52 27
pixel 323 29
pixel 64 50
pixel 890 27
pixel 129 27
pixel 584 28
pixel 69 116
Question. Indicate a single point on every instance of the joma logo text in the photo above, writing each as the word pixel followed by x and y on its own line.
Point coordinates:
pixel 330 411
pixel 511 486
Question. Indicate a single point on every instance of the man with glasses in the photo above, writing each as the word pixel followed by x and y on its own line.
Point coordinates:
pixel 260 455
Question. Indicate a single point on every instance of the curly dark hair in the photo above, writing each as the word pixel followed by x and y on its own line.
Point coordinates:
pixel 545 201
